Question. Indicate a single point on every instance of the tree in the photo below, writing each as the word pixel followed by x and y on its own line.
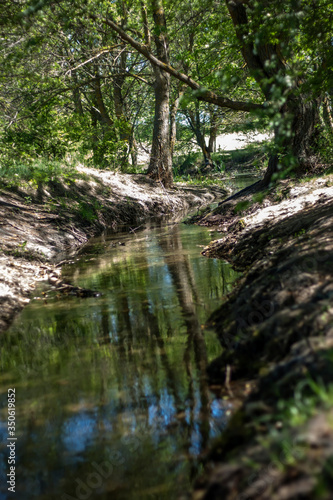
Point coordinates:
pixel 194 119
pixel 295 130
pixel 270 37
pixel 160 165
pixel 271 60
pixel 66 87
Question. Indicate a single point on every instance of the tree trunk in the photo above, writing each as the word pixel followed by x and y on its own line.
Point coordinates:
pixel 201 137
pixel 104 117
pixel 119 105
pixel 328 115
pixel 204 149
pixel 212 141
pixel 173 123
pixel 123 127
pixel 100 114
pixel 160 165
pixel 94 133
pixel 194 121
pixel 117 97
pixel 133 149
pixel 78 109
pixel 212 132
pixel 295 144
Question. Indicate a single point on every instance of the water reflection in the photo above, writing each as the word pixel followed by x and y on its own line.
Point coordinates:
pixel 112 397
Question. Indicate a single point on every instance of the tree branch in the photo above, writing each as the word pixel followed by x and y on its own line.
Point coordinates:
pixel 104 51
pixel 201 93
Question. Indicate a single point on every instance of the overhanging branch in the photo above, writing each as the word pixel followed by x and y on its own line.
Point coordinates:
pixel 201 93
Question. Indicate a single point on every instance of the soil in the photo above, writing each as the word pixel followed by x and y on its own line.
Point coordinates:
pixel 42 226
pixel 276 328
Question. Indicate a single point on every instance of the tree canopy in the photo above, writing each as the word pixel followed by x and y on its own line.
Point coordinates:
pixel 100 76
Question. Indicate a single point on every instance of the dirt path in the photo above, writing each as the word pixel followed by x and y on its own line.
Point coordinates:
pixel 38 228
pixel 276 328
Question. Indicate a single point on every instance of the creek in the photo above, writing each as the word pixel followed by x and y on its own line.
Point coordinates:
pixel 112 399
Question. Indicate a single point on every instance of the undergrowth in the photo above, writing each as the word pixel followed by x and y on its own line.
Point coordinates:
pixel 38 172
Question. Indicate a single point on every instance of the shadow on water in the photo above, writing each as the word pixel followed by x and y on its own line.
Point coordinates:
pixel 112 399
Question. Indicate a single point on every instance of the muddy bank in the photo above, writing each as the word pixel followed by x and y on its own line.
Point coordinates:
pixel 40 226
pixel 276 328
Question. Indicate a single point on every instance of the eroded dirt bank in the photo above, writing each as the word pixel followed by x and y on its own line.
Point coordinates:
pixel 39 227
pixel 276 328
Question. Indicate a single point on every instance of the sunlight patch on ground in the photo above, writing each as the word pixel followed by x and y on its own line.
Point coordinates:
pixel 5 290
pixel 229 142
pixel 298 199
pixel 225 142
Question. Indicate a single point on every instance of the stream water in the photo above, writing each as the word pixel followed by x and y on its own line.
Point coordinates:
pixel 112 401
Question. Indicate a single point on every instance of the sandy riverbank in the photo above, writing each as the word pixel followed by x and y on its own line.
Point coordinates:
pixel 40 227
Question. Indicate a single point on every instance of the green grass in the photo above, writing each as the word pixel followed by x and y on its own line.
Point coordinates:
pixel 252 156
pixel 37 172
pixel 201 180
pixel 87 212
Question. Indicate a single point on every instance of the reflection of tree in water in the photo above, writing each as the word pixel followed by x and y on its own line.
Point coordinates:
pixel 185 286
pixel 140 346
pixel 150 334
pixel 118 366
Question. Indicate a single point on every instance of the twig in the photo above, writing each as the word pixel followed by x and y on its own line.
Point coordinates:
pixel 105 51
pixel 135 229
pixel 18 228
pixel 166 192
pixel 227 380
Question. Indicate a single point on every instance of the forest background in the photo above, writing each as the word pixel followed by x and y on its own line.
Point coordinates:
pixel 94 81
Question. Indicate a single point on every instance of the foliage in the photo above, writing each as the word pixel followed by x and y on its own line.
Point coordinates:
pixel 87 212
pixel 37 172
pixel 71 84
